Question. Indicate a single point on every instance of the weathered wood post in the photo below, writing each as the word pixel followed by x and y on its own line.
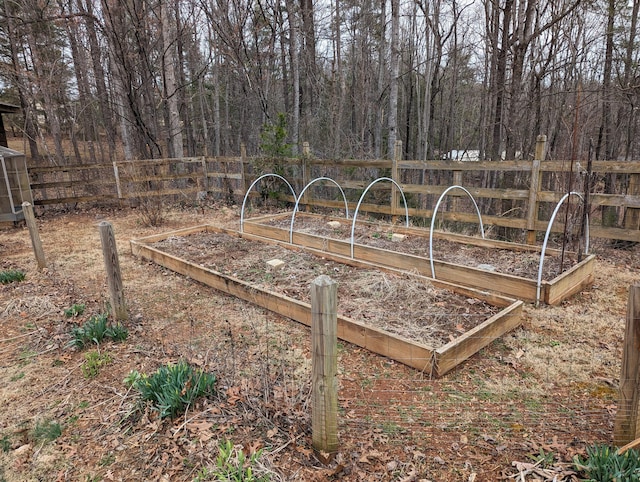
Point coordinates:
pixel 324 323
pixel 112 266
pixel 30 219
pixel 397 156
pixel 626 426
pixel 243 167
pixel 534 188
pixel 306 152
pixel 632 215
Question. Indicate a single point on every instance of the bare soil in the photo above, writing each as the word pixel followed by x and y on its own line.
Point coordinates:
pixel 549 387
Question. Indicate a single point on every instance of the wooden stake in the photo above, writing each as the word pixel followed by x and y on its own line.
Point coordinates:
pixel 397 156
pixel 626 428
pixel 30 219
pixel 324 324
pixel 112 266
pixel 534 188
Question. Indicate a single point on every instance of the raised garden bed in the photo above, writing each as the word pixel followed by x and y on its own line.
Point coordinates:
pixel 429 325
pixel 510 269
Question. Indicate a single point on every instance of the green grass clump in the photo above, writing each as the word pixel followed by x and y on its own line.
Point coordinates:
pixel 96 329
pixel 75 310
pixel 604 464
pixel 5 443
pixel 46 431
pixel 233 464
pixel 10 276
pixel 172 388
pixel 94 361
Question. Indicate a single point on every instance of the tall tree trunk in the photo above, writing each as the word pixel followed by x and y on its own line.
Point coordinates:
pixel 499 83
pixel 378 137
pixel 603 146
pixel 295 73
pixel 393 80
pixel 102 95
pixel 308 54
pixel 30 126
pixel 84 92
pixel 169 62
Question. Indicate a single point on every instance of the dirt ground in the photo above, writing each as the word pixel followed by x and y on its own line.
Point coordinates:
pixel 540 394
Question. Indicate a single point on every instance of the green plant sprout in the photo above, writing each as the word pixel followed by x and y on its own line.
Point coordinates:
pixel 96 329
pixel 94 361
pixel 46 431
pixel 75 310
pixel 172 388
pixel 11 276
pixel 605 464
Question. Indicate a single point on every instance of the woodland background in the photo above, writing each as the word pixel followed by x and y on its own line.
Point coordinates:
pixel 151 79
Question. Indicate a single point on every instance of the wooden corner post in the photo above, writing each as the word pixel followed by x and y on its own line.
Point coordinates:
pixel 324 341
pixel 112 266
pixel 534 188
pixel 626 428
pixel 30 219
pixel 397 156
pixel 243 168
pixel 304 162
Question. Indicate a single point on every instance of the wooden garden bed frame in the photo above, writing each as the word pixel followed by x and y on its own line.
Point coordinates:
pixel 435 362
pixel 552 291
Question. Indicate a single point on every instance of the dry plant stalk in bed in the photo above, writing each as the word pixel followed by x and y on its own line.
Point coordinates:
pixel 401 304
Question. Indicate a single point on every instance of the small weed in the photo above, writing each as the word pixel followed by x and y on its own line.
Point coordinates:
pixel 107 460
pixel 543 459
pixel 232 464
pixel 75 310
pixel 17 376
pixel 5 443
pixel 25 356
pixel 94 330
pixel 11 276
pixel 203 474
pixel 83 404
pixel 94 361
pixel 172 388
pixel 46 431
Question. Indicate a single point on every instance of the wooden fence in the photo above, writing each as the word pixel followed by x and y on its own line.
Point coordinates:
pixel 515 195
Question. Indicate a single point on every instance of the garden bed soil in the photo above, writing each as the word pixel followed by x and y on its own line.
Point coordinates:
pixel 399 303
pixel 464 256
pixel 396 314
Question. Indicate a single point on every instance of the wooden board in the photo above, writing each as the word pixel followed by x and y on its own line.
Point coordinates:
pixel 552 291
pixel 411 353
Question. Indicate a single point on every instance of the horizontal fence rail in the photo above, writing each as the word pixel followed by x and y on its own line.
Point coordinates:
pixel 515 194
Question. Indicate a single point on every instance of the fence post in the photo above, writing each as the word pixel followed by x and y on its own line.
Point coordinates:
pixel 112 266
pixel 205 173
pixel 534 188
pixel 30 219
pixel 306 151
pixel 243 162
pixel 626 426
pixel 457 181
pixel 324 410
pixel 397 155
pixel 632 215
